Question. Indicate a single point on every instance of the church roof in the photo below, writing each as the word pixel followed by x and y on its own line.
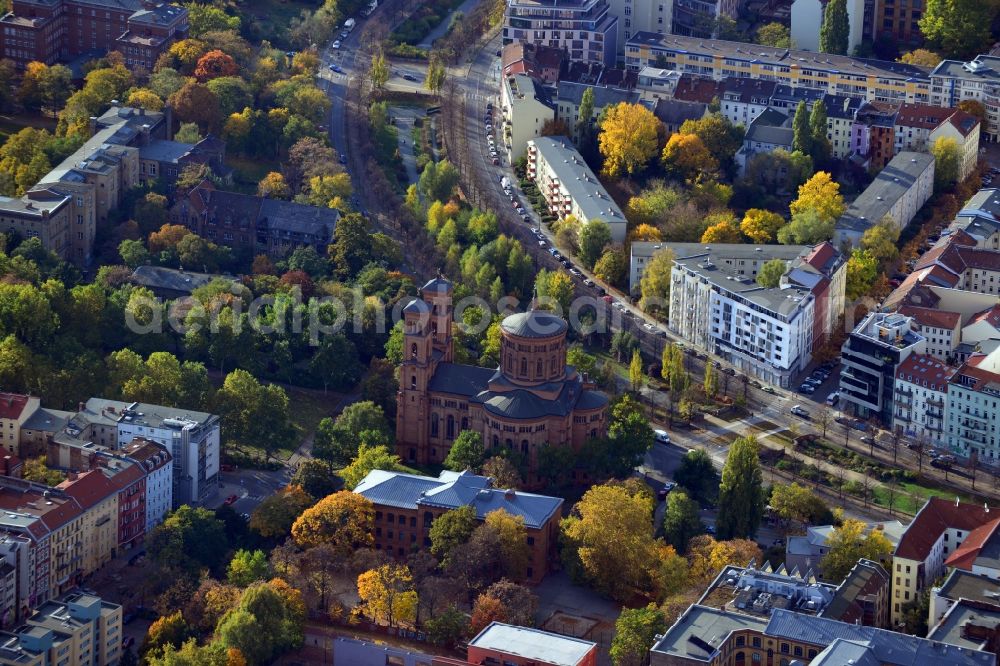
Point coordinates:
pixel 417 305
pixel 534 324
pixel 438 284
pixel 457 379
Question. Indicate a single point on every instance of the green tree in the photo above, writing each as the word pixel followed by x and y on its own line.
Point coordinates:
pixel 254 414
pixel 438 180
pixel 801 132
pixel 612 268
pixel 770 273
pixel 267 623
pixel 515 554
pixel 635 631
pixel 774 34
pixel 654 285
pixel 681 521
pixel 273 518
pixel 379 71
pixel 436 75
pixel 697 475
pixel 585 125
pixel 337 441
pixel 168 630
pixel 36 470
pixel 958 28
pixel 466 452
pixel 133 253
pixel 188 539
pixel 314 477
pixel 635 374
pixel 248 567
pixel 793 502
pixel 882 240
pixel 741 493
pixel 711 384
pixel 451 530
pixel 720 136
pixel 370 458
pixel 817 128
pixel 594 237
pixel 947 162
pixel 835 30
pixel 554 288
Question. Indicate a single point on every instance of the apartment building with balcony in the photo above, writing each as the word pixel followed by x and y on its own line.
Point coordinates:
pixel 899 20
pixel 872 80
pixel 921 399
pixel 870 356
pixel 407 504
pixel 525 106
pixel 570 187
pixel 585 29
pixel 954 81
pixel 974 408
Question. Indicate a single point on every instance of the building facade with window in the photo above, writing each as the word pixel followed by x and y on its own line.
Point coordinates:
pixel 585 29
pixel 873 80
pixel 59 30
pixel 531 401
pixel 921 399
pixel 407 504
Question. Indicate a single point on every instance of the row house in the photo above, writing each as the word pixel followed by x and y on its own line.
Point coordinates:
pixel 921 398
pixel 872 80
pixel 570 187
pixel 954 81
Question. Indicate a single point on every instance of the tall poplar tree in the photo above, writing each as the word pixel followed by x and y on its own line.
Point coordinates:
pixel 835 31
pixel 817 128
pixel 801 131
pixel 741 493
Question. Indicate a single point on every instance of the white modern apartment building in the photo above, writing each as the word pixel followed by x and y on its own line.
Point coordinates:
pixel 570 187
pixel 586 29
pixel 641 15
pixel 953 81
pixel 525 106
pixel 807 17
pixel 767 333
pixel 921 398
pixel 192 438
pixel 899 191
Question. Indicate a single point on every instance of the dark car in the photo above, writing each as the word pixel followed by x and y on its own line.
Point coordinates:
pixel 409 77
pixel 231 500
pixel 127 642
pixel 730 372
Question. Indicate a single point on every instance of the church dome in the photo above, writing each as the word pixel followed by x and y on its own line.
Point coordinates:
pixel 534 324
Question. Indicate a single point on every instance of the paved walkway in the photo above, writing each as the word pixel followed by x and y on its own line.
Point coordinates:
pixel 404 135
pixel 442 27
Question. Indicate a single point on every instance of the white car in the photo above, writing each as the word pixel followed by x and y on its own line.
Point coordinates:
pixel 798 410
pixel 661 437
pixel 336 44
pixel 833 398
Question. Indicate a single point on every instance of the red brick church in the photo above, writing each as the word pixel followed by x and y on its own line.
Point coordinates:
pixel 533 399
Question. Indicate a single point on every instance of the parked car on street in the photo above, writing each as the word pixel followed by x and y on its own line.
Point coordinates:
pixel 799 410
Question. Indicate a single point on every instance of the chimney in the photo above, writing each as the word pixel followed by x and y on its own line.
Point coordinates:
pixel 509 494
pixel 92 125
pixel 79 406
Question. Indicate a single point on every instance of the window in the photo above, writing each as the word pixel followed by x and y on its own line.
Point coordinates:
pixel 450 434
pixel 413 382
pixel 434 425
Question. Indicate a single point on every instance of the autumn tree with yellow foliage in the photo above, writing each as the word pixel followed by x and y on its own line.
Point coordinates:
pixel 761 226
pixel 723 228
pixel 706 556
pixel 387 594
pixel 344 520
pixel 850 543
pixel 685 157
pixel 820 194
pixel 628 139
pixel 515 554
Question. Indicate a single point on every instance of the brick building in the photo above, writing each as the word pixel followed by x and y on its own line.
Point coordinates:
pixel 532 400
pixel 407 504
pixel 51 31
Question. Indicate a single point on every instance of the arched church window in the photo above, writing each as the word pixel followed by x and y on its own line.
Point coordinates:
pixel 539 368
pixel 524 367
pixel 434 425
pixel 524 446
pixel 413 350
pixel 450 432
pixel 413 382
pixel 465 423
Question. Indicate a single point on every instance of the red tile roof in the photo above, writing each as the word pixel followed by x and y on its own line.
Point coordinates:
pixel 89 488
pixel 922 367
pixel 12 405
pixel 923 116
pixel 963 122
pixel 968 552
pixel 933 519
pixel 932 318
pixel 989 315
pixel 696 89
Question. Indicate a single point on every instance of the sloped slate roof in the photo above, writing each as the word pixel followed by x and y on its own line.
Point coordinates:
pixel 467 380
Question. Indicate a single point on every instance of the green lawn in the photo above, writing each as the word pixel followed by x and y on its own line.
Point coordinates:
pixel 249 171
pixel 308 408
pixel 271 18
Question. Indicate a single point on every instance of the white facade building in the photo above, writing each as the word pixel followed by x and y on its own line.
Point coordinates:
pixel 954 81
pixel 641 15
pixel 525 105
pixel 765 332
pixel 192 438
pixel 585 29
pixel 921 398
pixel 155 461
pixel 807 17
pixel 570 187
pixel 974 409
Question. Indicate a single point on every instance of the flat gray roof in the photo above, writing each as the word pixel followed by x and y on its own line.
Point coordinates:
pixel 581 183
pixel 950 628
pixel 891 184
pixel 961 584
pixel 530 643
pixel 982 67
pixel 721 250
pixel 701 631
pixel 745 52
